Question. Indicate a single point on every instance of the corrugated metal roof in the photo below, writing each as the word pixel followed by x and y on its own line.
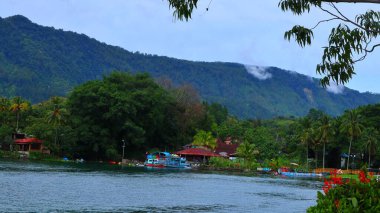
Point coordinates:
pixel 28 140
pixel 198 152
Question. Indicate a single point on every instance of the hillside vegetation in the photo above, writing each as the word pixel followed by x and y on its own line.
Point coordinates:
pixel 39 62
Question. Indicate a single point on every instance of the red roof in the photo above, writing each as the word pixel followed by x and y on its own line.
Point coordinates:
pixel 28 140
pixel 197 151
pixel 227 149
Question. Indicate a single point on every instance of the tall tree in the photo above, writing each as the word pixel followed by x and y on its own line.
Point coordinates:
pixel 247 151
pixel 121 106
pixel 189 111
pixel 18 105
pixel 306 138
pixel 316 141
pixel 325 130
pixel 56 116
pixel 351 125
pixel 371 141
pixel 203 138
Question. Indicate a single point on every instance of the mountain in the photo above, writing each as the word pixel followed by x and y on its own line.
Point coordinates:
pixel 38 62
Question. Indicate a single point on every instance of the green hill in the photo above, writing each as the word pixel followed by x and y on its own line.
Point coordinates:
pixel 38 62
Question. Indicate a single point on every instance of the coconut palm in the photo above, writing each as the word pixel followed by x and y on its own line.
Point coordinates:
pixel 351 125
pixel 305 140
pixel 371 141
pixel 203 138
pixel 315 141
pixel 247 150
pixel 56 116
pixel 325 130
pixel 18 105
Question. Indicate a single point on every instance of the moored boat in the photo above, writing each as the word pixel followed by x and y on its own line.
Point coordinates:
pixel 301 174
pixel 166 160
pixel 291 173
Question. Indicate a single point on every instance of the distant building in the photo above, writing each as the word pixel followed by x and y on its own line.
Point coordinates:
pixel 29 144
pixel 25 144
pixel 226 148
pixel 197 154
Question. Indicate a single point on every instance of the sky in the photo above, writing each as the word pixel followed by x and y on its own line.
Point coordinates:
pixel 245 31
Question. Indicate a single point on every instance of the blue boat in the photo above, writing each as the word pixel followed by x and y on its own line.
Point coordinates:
pixel 301 174
pixel 166 160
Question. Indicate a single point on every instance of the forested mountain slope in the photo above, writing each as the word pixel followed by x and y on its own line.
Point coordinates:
pixel 38 62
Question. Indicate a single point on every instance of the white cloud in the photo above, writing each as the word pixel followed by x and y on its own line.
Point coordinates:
pixel 335 88
pixel 259 72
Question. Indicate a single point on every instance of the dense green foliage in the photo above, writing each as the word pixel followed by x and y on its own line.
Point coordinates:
pixel 121 107
pixel 239 164
pixel 40 62
pixel 98 115
pixel 203 138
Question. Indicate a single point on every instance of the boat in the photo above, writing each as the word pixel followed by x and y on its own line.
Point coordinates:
pixel 301 174
pixel 165 160
pixel 285 171
pixel 265 169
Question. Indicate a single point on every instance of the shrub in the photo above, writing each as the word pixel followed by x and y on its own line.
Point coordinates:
pixel 42 156
pixel 224 163
pixel 349 196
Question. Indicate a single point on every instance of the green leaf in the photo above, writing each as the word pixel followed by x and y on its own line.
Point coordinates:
pixel 354 202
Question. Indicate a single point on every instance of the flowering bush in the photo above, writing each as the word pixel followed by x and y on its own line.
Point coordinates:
pixel 348 196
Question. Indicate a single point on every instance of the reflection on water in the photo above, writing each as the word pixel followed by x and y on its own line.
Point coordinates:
pixel 65 187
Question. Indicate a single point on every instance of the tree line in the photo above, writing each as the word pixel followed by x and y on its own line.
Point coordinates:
pixel 96 117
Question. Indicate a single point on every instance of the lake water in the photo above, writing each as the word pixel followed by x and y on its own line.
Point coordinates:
pixel 41 187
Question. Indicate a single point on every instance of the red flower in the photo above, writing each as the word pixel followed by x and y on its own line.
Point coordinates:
pixel 327 186
pixel 337 180
pixel 363 177
pixel 334 172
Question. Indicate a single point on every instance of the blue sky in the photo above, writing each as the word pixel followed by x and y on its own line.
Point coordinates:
pixel 244 31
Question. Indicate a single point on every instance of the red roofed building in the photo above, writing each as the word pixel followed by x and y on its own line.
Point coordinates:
pixel 226 148
pixel 197 154
pixel 29 144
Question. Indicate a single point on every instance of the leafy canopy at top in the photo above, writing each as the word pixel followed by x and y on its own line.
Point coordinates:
pixel 348 43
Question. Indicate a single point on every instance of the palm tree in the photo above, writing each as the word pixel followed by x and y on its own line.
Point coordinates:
pixel 315 141
pixel 247 150
pixel 371 142
pixel 305 139
pixel 351 125
pixel 18 105
pixel 56 117
pixel 203 138
pixel 325 131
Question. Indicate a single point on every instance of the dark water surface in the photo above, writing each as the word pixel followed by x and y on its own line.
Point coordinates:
pixel 66 187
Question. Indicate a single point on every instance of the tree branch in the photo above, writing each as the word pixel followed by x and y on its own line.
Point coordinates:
pixel 366 51
pixel 327 20
pixel 372 49
pixel 345 19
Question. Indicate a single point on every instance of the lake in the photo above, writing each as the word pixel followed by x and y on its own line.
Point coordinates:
pixel 69 187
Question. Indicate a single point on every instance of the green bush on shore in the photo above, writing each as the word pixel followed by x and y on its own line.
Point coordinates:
pixel 9 154
pixel 349 196
pixel 224 163
pixel 42 156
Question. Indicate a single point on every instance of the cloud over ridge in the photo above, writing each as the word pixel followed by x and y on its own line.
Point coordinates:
pixel 260 73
